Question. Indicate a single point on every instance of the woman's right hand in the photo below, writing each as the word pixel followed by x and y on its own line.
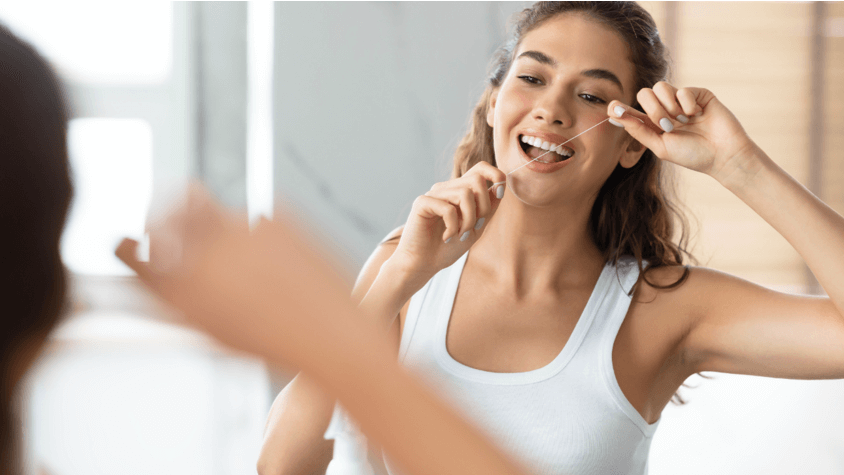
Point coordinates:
pixel 447 220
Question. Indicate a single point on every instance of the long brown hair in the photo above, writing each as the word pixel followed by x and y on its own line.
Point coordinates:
pixel 35 194
pixel 632 215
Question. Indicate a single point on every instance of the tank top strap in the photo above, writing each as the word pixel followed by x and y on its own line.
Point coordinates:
pixel 613 305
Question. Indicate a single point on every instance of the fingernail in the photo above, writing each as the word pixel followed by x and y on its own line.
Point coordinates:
pixel 479 223
pixel 447 240
pixel 499 193
pixel 683 119
pixel 619 111
pixel 465 236
pixel 666 124
pixel 616 123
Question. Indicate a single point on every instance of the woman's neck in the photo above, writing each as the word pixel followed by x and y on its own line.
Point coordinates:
pixel 531 251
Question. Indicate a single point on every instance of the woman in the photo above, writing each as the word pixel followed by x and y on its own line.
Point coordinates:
pixel 555 309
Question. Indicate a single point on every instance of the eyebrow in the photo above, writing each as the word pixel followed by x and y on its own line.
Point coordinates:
pixel 592 73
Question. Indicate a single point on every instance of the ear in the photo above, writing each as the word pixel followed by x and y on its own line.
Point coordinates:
pixel 490 110
pixel 632 153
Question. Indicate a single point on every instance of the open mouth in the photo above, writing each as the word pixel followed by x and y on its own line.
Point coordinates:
pixel 551 153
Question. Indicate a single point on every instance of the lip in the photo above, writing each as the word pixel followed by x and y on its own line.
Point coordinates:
pixel 536 165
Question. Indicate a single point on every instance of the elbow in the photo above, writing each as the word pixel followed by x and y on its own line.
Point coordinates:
pixel 264 468
pixel 269 467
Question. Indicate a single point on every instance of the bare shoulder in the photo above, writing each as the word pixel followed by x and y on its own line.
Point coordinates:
pixel 689 288
pixel 682 285
pixel 372 266
pixel 671 301
pixel 662 309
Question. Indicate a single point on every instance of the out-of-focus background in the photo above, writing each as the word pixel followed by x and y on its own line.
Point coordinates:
pixel 345 112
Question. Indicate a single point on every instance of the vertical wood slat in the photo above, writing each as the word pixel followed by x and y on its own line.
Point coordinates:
pixel 816 118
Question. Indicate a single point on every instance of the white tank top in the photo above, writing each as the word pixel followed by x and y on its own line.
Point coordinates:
pixel 568 417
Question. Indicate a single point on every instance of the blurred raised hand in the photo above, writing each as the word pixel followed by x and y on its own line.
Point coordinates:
pixel 268 291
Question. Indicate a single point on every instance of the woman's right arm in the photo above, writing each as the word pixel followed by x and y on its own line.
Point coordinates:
pixel 293 438
pixel 443 224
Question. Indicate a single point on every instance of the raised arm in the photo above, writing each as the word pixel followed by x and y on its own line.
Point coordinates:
pixel 736 326
pixel 240 288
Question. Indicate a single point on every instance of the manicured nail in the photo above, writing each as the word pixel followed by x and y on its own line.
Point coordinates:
pixel 616 123
pixel 465 236
pixel 683 119
pixel 479 223
pixel 447 240
pixel 499 193
pixel 666 124
pixel 619 111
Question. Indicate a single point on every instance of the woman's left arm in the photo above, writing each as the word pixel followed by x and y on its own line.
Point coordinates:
pixel 736 326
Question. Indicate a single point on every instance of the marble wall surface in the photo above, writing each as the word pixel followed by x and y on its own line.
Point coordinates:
pixel 370 101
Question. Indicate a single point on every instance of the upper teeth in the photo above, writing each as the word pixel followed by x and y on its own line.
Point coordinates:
pixel 539 143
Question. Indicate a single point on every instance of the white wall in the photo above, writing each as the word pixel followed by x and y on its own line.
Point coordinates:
pixel 371 100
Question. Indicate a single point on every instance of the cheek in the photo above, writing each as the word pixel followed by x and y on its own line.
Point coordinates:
pixel 607 141
pixel 523 100
pixel 514 101
pixel 611 136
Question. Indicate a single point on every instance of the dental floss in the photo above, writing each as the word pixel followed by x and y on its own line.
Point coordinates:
pixel 549 151
pixel 567 141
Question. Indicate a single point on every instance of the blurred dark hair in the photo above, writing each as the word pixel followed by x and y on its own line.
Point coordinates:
pixel 633 214
pixel 35 194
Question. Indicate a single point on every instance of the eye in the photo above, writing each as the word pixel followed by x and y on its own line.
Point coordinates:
pixel 593 99
pixel 530 79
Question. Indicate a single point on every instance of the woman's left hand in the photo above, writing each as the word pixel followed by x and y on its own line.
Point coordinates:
pixel 687 126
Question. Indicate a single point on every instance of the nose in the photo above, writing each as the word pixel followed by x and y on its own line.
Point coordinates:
pixel 553 108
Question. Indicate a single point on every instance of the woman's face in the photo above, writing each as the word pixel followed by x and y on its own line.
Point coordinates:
pixel 564 74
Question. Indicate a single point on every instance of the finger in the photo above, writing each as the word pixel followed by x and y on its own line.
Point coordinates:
pixel 496 177
pixel 622 114
pixel 430 207
pixel 687 97
pixel 127 253
pixel 667 95
pixel 483 199
pixel 463 198
pixel 658 115
pixel 639 126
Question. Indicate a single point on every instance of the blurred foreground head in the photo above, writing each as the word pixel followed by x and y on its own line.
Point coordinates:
pixel 35 193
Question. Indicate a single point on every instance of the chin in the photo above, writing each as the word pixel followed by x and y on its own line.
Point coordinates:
pixel 534 193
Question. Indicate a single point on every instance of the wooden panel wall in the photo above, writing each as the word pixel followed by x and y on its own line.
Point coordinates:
pixel 755 58
pixel 833 147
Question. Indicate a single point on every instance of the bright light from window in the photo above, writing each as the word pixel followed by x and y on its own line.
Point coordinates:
pixel 112 171
pixel 100 42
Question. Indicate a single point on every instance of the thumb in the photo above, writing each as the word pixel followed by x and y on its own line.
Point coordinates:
pixel 638 125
